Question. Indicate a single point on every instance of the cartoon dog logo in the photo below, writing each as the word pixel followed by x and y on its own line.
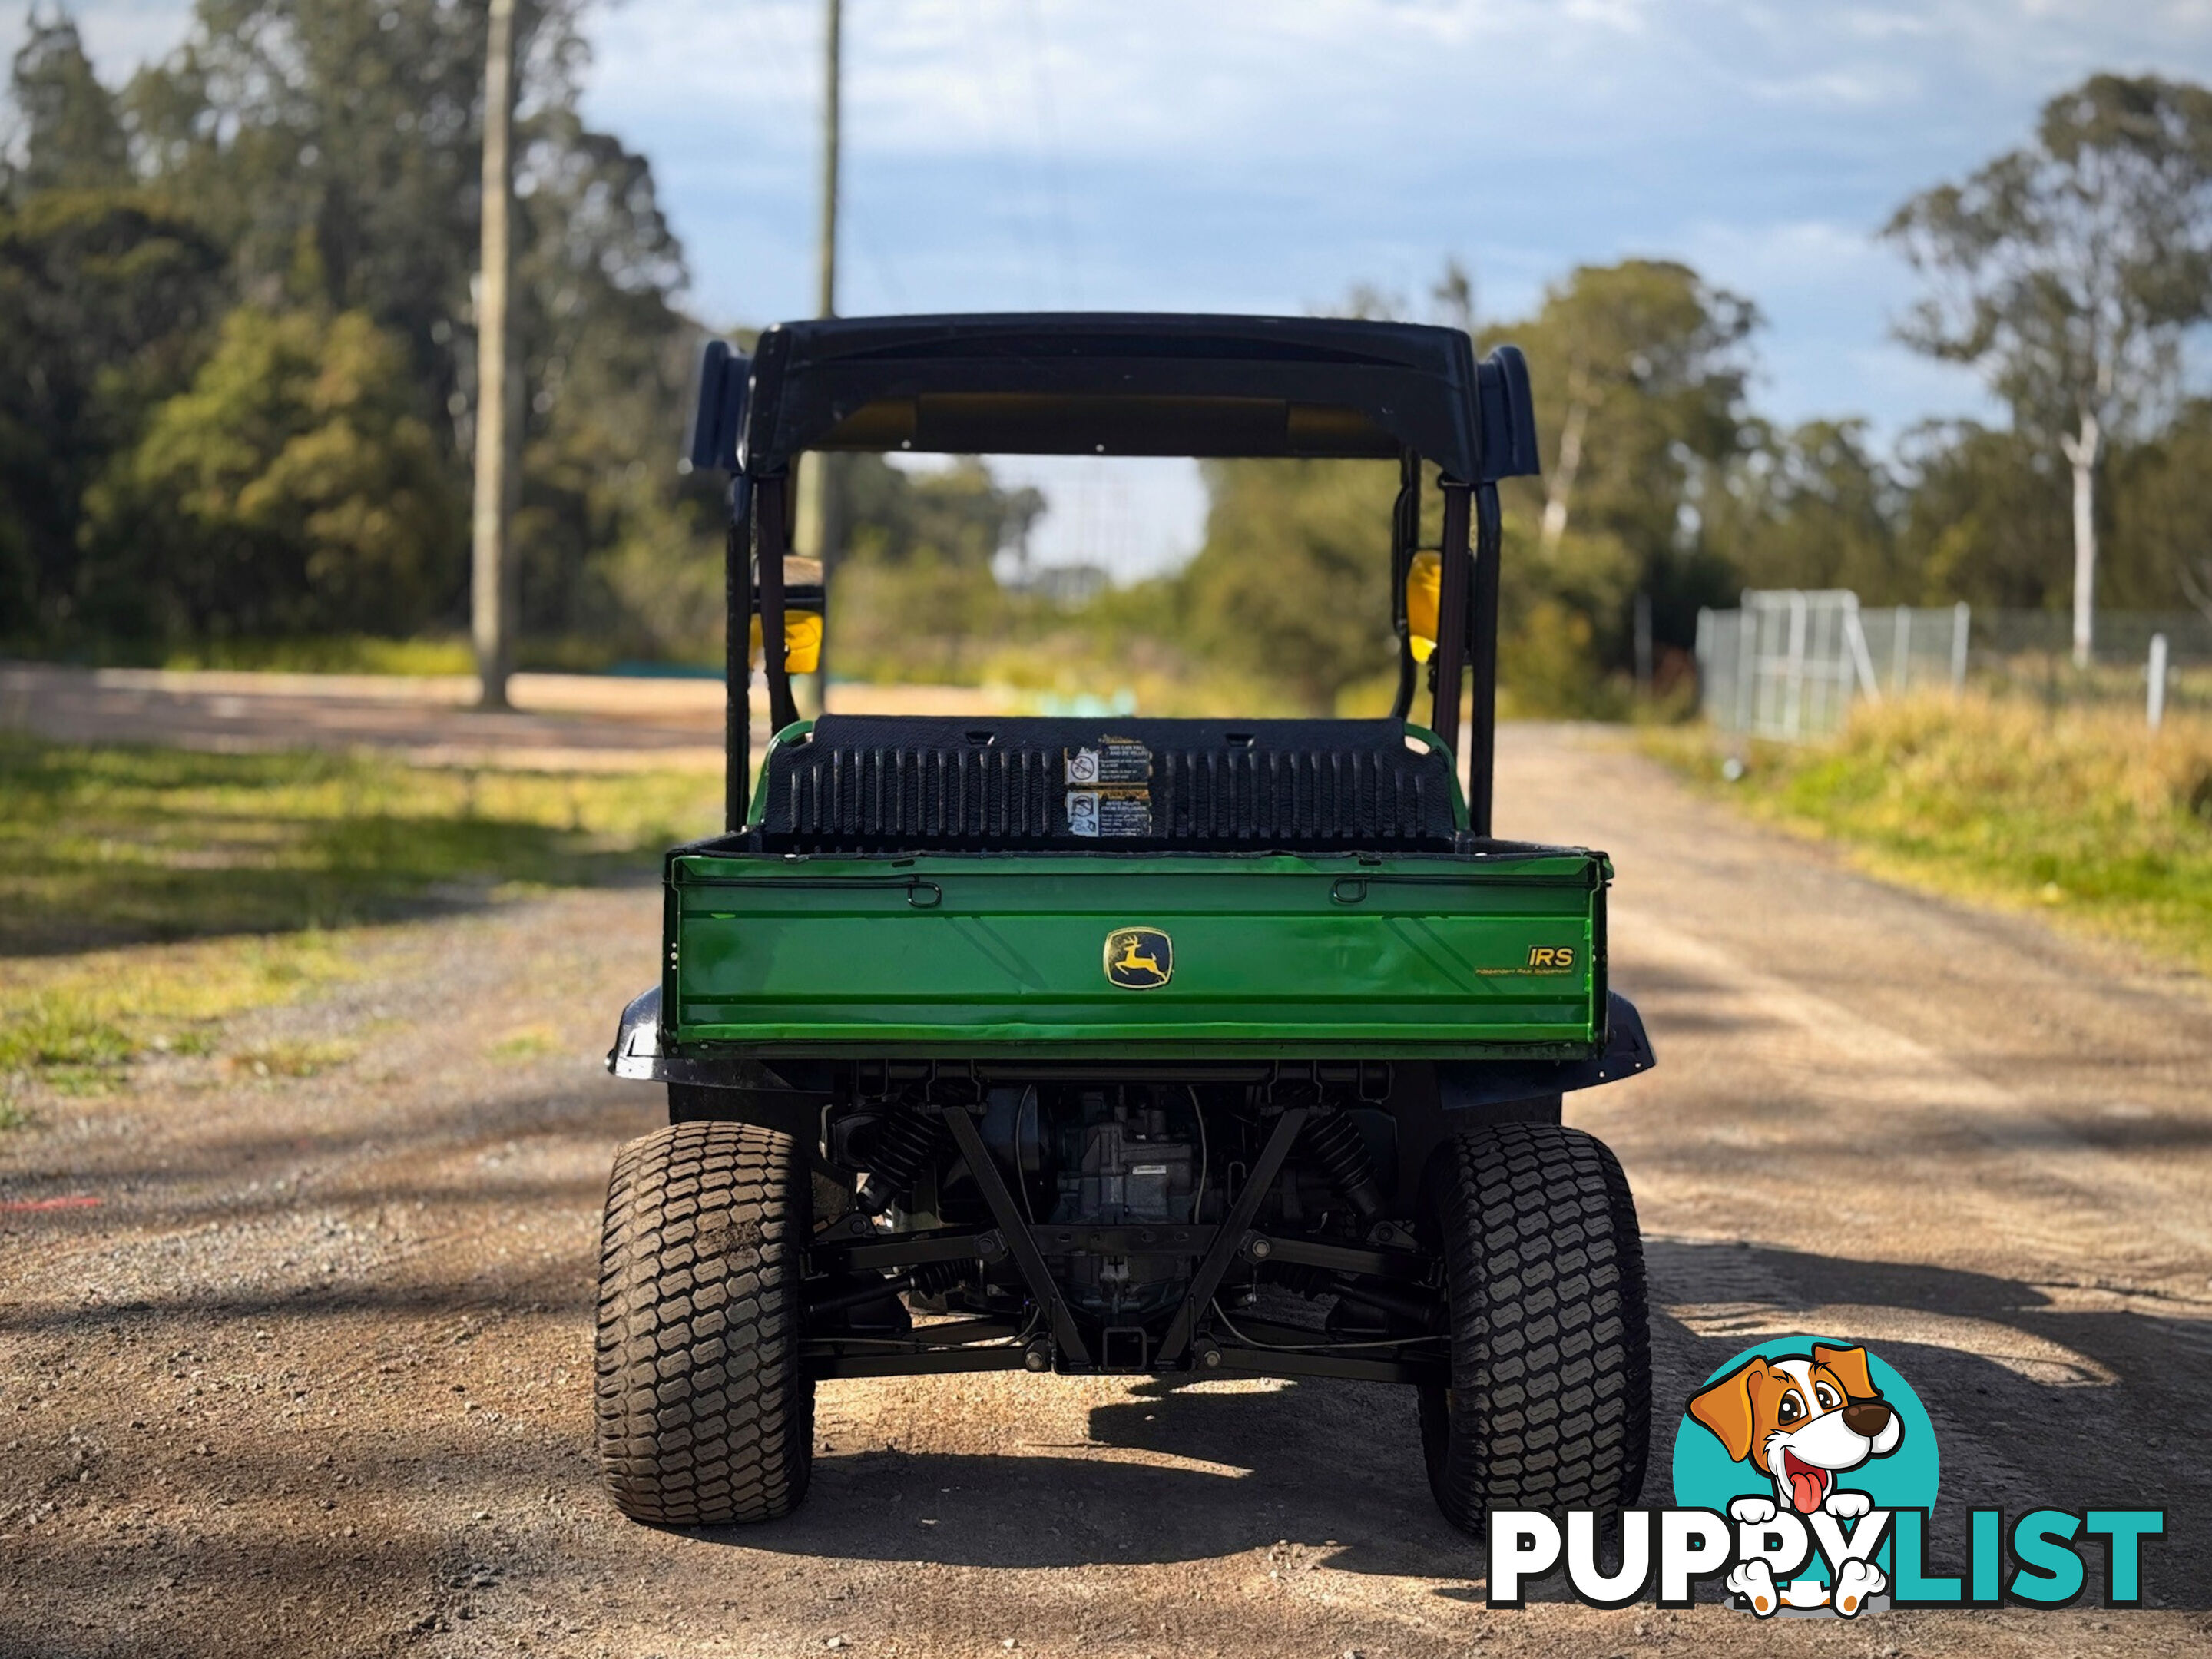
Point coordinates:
pixel 1801 1421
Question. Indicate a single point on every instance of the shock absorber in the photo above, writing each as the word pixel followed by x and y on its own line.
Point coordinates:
pixel 1335 1144
pixel 903 1147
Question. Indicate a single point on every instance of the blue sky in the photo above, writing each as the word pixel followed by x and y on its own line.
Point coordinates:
pixel 1238 155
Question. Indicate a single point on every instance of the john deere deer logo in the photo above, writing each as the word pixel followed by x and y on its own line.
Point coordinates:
pixel 1139 958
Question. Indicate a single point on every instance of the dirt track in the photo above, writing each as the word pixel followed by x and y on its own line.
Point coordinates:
pixel 300 1366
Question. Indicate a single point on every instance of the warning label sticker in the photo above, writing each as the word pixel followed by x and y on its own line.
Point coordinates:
pixel 1110 812
pixel 1109 788
pixel 1113 760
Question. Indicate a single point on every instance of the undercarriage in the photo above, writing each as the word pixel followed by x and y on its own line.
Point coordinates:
pixel 1059 1224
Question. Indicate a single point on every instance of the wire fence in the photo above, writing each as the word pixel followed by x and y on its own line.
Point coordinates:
pixel 1788 665
pixel 2030 653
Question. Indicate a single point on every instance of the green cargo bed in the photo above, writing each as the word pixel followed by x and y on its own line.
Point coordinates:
pixel 1470 955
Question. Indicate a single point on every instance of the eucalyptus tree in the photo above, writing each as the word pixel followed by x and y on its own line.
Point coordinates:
pixel 334 147
pixel 1640 370
pixel 2069 270
pixel 108 293
pixel 68 133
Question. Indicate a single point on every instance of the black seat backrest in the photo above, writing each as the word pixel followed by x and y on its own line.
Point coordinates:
pixel 871 783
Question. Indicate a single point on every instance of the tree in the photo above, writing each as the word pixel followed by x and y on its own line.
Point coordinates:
pixel 1639 368
pixel 295 488
pixel 914 589
pixel 2159 550
pixel 2068 270
pixel 332 147
pixel 70 137
pixel 319 157
pixel 1292 582
pixel 1639 371
pixel 105 298
pixel 608 541
pixel 1984 515
pixel 1813 507
pixel 106 292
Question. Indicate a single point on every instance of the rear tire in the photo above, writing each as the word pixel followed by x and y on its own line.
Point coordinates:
pixel 706 1416
pixel 1549 1406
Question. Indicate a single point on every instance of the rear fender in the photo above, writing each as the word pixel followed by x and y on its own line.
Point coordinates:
pixel 733 1091
pixel 1490 1086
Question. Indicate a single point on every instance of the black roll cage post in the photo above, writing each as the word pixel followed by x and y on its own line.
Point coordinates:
pixel 1467 589
pixel 760 511
pixel 737 656
pixel 1472 594
pixel 1482 654
pixel 1405 542
pixel 773 515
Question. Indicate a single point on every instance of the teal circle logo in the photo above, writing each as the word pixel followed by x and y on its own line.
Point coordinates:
pixel 1815 1431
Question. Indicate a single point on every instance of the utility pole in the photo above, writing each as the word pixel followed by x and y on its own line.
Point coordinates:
pixel 816 529
pixel 492 608
pixel 832 93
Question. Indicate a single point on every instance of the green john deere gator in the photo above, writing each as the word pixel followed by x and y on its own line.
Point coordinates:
pixel 1164 1047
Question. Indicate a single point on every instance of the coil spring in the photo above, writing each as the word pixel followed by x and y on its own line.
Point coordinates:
pixel 1334 1143
pixel 903 1147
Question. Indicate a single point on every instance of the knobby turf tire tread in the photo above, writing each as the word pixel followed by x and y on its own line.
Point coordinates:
pixel 1550 1402
pixel 705 1413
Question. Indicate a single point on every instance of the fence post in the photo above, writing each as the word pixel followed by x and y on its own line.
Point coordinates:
pixel 1958 615
pixel 1703 651
pixel 1794 699
pixel 1861 660
pixel 1746 664
pixel 2155 704
pixel 1900 651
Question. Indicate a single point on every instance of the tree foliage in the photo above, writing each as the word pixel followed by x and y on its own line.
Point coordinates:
pixel 294 488
pixel 1811 506
pixel 71 136
pixel 105 298
pixel 916 594
pixel 1638 371
pixel 2068 269
pixel 1292 583
pixel 312 166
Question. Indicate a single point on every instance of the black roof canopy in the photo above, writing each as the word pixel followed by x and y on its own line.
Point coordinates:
pixel 1128 383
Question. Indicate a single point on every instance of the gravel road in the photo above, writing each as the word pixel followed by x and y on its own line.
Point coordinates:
pixel 300 1366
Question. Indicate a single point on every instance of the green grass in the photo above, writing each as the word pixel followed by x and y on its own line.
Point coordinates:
pixel 146 895
pixel 72 1024
pixel 109 845
pixel 340 654
pixel 2086 815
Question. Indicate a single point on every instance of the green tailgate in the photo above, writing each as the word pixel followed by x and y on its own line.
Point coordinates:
pixel 1276 956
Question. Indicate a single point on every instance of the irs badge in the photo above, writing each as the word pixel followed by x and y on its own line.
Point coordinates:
pixel 1139 958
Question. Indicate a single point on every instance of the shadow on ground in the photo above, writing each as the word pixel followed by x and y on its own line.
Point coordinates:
pixel 1336 1468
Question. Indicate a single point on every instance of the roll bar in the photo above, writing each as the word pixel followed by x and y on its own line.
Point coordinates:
pixel 1126 384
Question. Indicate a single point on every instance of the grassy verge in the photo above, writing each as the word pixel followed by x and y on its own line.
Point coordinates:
pixel 2087 815
pixel 255 864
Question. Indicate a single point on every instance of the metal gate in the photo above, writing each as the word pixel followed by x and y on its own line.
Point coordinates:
pixel 1788 663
